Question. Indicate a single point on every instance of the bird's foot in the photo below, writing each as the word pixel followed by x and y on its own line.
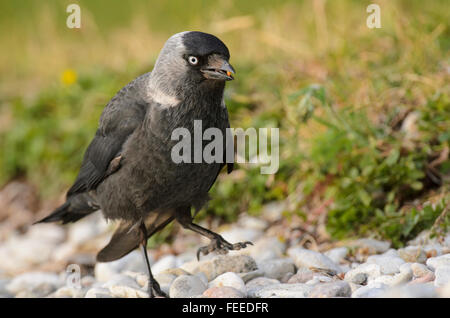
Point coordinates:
pixel 154 290
pixel 221 246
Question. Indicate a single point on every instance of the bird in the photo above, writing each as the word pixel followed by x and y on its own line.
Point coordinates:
pixel 127 171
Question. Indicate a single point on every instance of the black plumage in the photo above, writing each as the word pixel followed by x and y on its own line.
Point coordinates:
pixel 127 170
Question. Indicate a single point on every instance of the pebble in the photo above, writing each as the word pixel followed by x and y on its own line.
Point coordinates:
pixel 186 286
pixel 97 292
pixel 223 292
pixel 259 283
pixel 410 291
pixel 307 258
pixel 264 249
pixel 37 284
pixel 420 270
pixel 442 276
pixel 369 291
pixel 302 276
pixel 165 280
pixel 403 277
pixel 123 291
pixel 388 264
pixel 413 254
pixel 284 291
pixel 317 279
pixel 130 262
pixel 337 254
pixel 251 275
pixel 240 234
pixel 277 268
pixel 334 289
pixel 444 291
pixel 225 263
pixel 372 246
pixel 361 273
pixel 229 279
pixel 69 292
pixel 438 261
pixel 424 279
pixel 165 262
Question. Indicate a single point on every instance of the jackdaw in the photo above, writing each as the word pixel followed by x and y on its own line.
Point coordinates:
pixel 127 170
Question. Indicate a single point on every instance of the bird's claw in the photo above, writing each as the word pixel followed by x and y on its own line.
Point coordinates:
pixel 154 290
pixel 221 246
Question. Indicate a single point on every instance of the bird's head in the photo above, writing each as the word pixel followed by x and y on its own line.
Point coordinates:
pixel 192 58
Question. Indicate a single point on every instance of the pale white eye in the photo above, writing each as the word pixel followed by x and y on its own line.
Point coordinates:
pixel 193 60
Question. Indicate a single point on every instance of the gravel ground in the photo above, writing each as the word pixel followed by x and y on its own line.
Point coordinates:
pixel 37 263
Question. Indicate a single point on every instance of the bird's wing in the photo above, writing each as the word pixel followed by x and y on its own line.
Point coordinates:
pixel 120 118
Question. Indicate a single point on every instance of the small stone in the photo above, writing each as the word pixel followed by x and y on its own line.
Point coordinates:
pixel 388 264
pixel 337 254
pixel 264 249
pixel 424 279
pixel 38 284
pixel 225 263
pixel 369 291
pixel 164 263
pixel 123 291
pixel 420 270
pixel 69 292
pixel 398 279
pixel 368 271
pixel 359 278
pixel 251 275
pixel 335 289
pixel 223 292
pixel 165 281
pixel 413 254
pixel 203 277
pixel 185 286
pixel 97 292
pixel 311 259
pixel 121 280
pixel 230 280
pixel 175 271
pixel 354 287
pixel 240 234
pixel 302 276
pixel 131 262
pixel 83 231
pixel 3 292
pixel 259 283
pixel 371 246
pixel 317 279
pixel 87 281
pixel 410 291
pixel 284 291
pixel 444 291
pixel 442 276
pixel 438 261
pixel 277 268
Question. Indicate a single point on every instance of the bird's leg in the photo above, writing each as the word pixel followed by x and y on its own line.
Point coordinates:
pixel 218 243
pixel 153 285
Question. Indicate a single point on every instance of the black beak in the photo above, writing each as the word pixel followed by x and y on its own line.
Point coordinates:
pixel 218 68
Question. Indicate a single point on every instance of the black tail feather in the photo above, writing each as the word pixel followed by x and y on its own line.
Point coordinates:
pixel 72 210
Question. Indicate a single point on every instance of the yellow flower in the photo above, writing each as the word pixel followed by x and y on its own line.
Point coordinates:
pixel 68 77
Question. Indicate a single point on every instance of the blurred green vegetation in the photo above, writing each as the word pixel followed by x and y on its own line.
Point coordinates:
pixel 364 114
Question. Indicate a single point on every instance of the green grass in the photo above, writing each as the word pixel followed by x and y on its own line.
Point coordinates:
pixel 338 91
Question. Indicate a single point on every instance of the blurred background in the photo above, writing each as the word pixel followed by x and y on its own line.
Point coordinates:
pixel 364 114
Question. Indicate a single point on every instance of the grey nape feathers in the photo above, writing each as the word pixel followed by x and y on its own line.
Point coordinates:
pixel 127 171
